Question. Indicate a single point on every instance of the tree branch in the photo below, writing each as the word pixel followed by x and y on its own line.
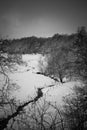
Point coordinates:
pixel 4 121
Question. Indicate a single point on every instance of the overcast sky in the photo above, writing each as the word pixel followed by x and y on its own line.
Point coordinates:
pixel 42 18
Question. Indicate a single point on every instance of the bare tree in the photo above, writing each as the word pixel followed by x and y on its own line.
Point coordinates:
pixel 58 65
pixel 75 109
pixel 9 108
pixel 80 51
pixel 43 115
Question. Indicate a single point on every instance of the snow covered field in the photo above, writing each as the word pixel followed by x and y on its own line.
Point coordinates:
pixel 29 81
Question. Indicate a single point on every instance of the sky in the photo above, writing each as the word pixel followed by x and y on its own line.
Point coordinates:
pixel 41 18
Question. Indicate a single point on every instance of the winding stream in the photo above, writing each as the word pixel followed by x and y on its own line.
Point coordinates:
pixel 29 81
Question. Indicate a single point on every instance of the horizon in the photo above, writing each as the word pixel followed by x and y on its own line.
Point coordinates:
pixel 24 37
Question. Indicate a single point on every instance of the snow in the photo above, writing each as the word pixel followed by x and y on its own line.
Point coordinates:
pixel 29 81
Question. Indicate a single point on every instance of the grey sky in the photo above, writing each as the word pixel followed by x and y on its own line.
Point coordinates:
pixel 42 18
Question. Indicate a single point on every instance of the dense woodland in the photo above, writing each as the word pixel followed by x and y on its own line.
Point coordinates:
pixel 67 56
pixel 33 44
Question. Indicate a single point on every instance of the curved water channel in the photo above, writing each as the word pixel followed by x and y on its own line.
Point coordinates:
pixel 25 76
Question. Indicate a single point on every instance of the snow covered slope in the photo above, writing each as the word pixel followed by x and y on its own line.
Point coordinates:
pixel 29 81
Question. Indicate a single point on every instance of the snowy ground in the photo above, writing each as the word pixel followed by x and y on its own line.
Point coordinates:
pixel 29 81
